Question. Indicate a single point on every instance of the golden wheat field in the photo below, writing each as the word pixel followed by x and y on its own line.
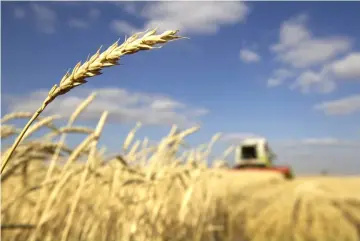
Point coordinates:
pixel 153 192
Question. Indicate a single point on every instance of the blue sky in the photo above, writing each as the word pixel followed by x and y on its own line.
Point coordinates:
pixel 288 71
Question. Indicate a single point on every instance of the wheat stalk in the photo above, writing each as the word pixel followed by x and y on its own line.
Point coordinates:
pixel 16 115
pixel 44 122
pixel 91 162
pixel 92 67
pixel 71 121
pixel 130 136
pixel 60 144
pixel 72 129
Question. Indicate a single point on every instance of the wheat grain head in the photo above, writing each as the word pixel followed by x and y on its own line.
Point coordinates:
pixel 93 66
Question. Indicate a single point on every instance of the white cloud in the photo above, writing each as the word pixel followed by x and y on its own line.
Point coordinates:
pixel 321 141
pixel 313 155
pixel 320 82
pixel 19 13
pixel 348 67
pixel 130 7
pixel 278 77
pixel 238 137
pixel 314 52
pixel 272 82
pixel 78 23
pixel 324 141
pixel 344 106
pixel 166 104
pixel 81 23
pixel 283 73
pixel 189 17
pixel 94 13
pixel 300 49
pixel 123 105
pixel 292 32
pixel 133 8
pixel 45 18
pixel 325 80
pixel 249 56
pixel 316 60
pixel 123 27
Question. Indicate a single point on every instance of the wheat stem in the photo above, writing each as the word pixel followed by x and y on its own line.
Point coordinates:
pixel 19 139
pixel 91 162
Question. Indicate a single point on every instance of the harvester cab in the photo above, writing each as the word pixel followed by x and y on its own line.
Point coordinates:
pixel 256 154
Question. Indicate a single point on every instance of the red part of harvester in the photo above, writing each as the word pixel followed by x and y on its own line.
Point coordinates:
pixel 284 170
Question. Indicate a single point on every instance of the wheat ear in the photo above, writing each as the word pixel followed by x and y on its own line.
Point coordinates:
pixel 93 66
pixel 7 130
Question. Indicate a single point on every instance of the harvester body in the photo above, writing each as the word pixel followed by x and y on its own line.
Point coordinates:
pixel 255 154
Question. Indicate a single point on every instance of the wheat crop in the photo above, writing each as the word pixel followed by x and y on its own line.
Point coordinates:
pixel 165 198
pixel 147 191
pixel 92 67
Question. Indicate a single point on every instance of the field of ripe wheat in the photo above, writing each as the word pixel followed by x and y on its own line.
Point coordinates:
pixel 51 191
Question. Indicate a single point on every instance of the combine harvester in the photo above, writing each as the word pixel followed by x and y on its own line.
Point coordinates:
pixel 255 154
